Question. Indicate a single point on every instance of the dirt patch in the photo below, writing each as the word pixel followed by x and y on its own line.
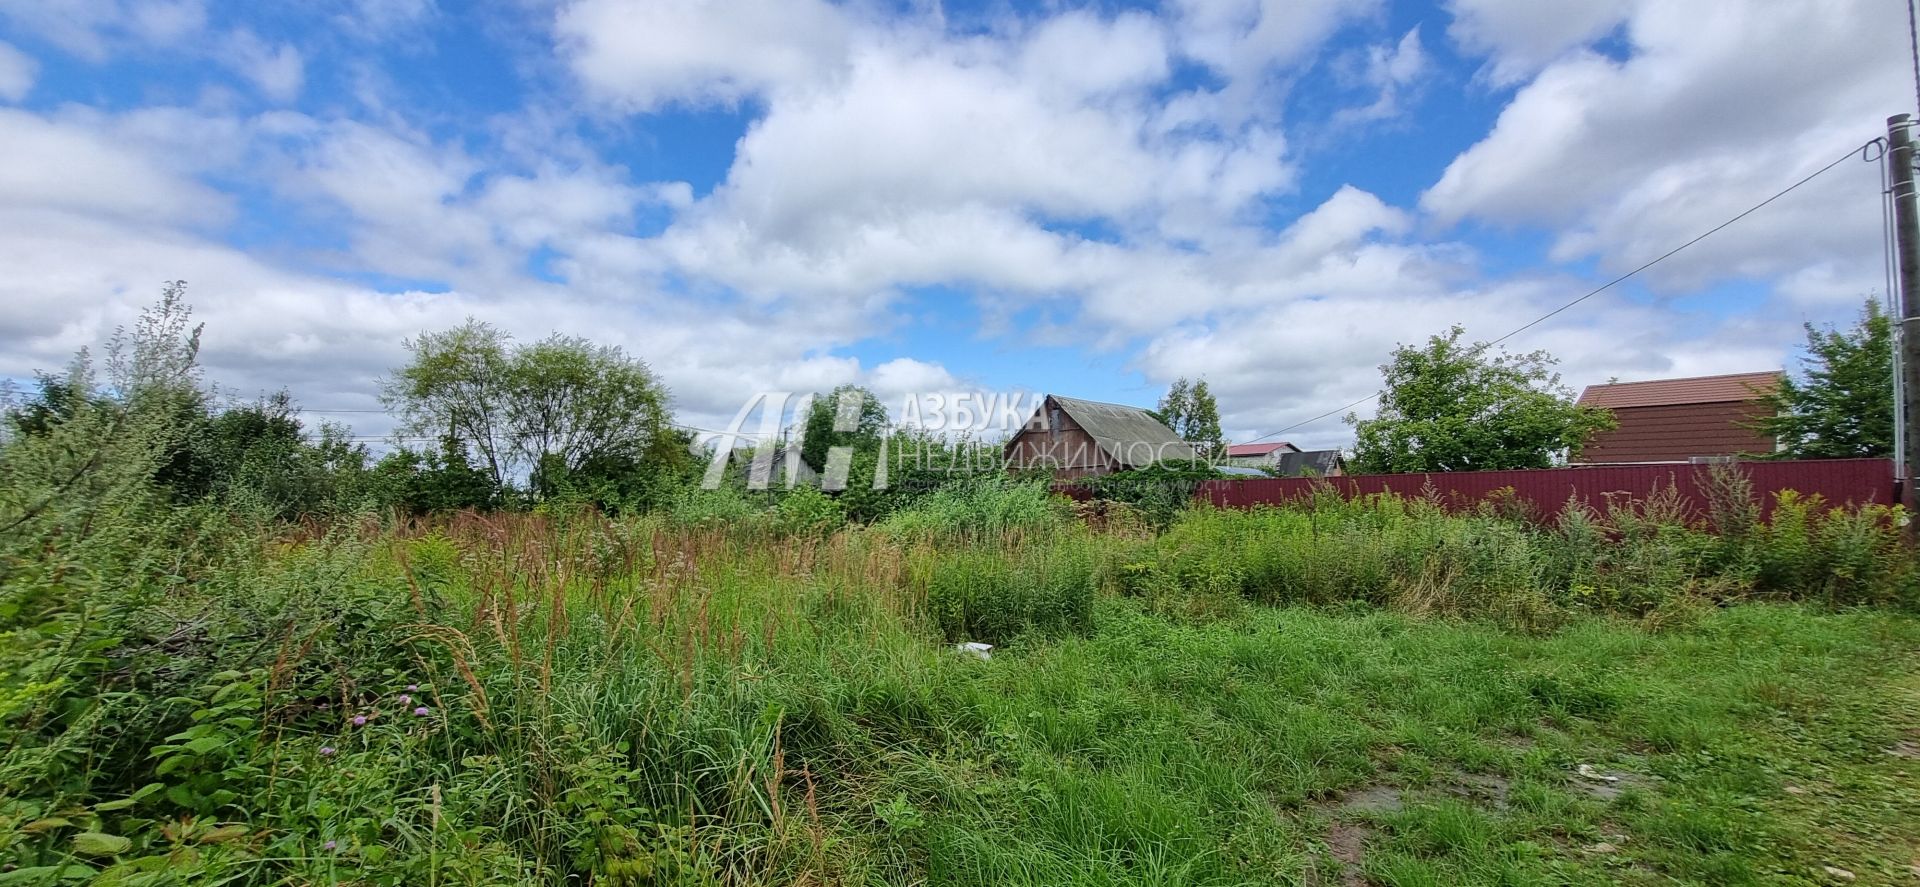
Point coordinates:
pixel 1905 748
pixel 1346 843
pixel 1372 799
pixel 1482 789
pixel 1346 838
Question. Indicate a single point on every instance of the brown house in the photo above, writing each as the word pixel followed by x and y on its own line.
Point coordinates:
pixel 1678 420
pixel 1084 438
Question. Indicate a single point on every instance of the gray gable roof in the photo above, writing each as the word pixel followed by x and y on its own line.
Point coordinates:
pixel 1317 463
pixel 1131 435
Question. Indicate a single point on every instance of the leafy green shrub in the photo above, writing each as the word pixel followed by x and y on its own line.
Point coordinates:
pixel 1844 556
pixel 808 511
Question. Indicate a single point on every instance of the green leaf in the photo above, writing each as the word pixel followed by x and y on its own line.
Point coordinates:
pixel 48 874
pixel 100 844
pixel 205 745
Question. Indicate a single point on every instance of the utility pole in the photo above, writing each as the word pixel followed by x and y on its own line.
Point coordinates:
pixel 1906 218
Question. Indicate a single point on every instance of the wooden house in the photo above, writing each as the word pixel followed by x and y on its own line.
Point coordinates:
pixel 1681 420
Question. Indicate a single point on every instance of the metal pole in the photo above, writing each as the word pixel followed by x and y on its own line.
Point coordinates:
pixel 1906 218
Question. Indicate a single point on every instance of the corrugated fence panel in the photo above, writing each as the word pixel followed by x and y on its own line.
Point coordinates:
pixel 1839 481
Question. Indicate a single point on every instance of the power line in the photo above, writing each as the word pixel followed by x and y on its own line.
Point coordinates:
pixel 1611 283
pixel 434 438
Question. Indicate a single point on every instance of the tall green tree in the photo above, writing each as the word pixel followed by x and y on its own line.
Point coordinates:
pixel 553 414
pixel 1190 410
pixel 847 416
pixel 1843 405
pixel 580 403
pixel 456 388
pixel 1453 406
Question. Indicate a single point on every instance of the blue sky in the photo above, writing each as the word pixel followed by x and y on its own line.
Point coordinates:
pixel 1094 200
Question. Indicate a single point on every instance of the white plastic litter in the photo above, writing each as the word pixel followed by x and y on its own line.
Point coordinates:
pixel 975 649
pixel 1587 771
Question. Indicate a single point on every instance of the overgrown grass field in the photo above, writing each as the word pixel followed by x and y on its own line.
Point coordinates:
pixel 1331 693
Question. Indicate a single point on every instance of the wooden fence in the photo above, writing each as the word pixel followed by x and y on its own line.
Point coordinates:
pixel 1546 490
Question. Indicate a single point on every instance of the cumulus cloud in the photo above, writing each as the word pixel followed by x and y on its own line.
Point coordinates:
pixel 643 54
pixel 276 69
pixel 1393 71
pixel 990 163
pixel 1627 158
pixel 81 166
pixel 91 29
pixel 1519 37
pixel 17 72
pixel 1066 170
pixel 1247 39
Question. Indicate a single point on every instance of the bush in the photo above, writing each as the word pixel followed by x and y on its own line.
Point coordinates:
pixel 808 511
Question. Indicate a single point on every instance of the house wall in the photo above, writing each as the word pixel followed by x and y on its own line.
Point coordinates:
pixel 1678 433
pixel 1066 448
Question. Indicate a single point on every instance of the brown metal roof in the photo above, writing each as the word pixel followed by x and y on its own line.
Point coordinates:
pixel 1258 449
pixel 1670 392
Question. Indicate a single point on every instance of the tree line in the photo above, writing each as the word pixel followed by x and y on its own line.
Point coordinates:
pixel 486 422
pixel 482 422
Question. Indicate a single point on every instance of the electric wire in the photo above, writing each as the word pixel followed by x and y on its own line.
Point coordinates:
pixel 1861 151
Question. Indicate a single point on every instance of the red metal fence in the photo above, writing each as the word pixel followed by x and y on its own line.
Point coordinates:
pixel 1839 481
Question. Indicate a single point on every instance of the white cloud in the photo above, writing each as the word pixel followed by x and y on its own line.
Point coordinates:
pixel 643 54
pixel 1276 367
pixel 1079 54
pixel 1048 164
pixel 1522 36
pixel 977 162
pixel 278 70
pixel 1246 39
pixel 92 28
pixel 17 73
pixel 410 206
pixel 1391 70
pixel 1626 159
pixel 80 166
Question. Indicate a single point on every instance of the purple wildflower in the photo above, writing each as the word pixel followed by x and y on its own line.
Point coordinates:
pixel 413 688
pixel 405 699
pixel 421 711
pixel 328 845
pixel 326 751
pixel 359 720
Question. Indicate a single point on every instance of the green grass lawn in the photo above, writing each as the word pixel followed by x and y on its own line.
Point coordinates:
pixel 1761 745
pixel 517 699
